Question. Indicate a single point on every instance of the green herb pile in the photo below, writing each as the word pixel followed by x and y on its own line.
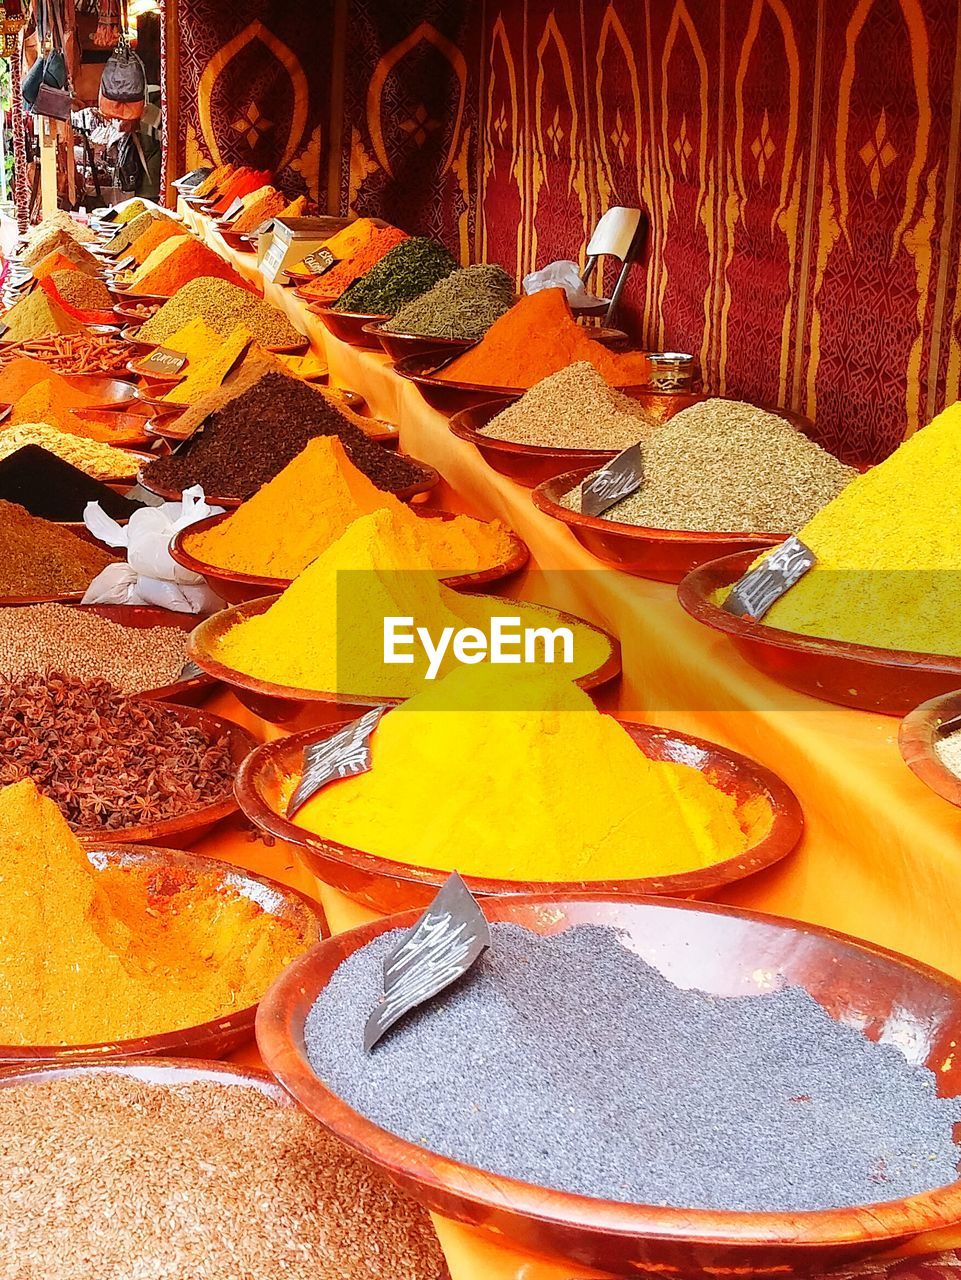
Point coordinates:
pixel 464 305
pixel 407 271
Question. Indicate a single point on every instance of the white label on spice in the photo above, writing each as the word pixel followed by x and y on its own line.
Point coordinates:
pixel 342 755
pixel 273 258
pixel 234 209
pixel 163 360
pixel 190 671
pixel 319 262
pixel 139 494
pixel 124 263
pixel 754 594
pixel 622 476
pixel 443 944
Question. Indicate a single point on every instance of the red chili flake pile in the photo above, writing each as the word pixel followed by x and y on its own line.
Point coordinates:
pixel 109 761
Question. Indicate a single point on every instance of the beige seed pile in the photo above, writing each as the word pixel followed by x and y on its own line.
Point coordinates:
pixel 222 306
pixel 948 751
pixel 572 409
pixel 102 461
pixel 723 466
pixel 77 642
pixel 116 1179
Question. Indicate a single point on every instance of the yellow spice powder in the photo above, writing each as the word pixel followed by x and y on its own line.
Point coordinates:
pixel 594 806
pixel 210 373
pixel 195 340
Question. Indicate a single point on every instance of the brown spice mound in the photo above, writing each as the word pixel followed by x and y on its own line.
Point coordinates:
pixel 38 558
pixel 103 1175
pixel 108 761
pixel 82 291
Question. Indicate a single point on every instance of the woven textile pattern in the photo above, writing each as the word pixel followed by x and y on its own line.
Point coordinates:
pixel 798 160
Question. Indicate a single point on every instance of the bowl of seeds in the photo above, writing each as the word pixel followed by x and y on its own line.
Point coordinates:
pixel 349 326
pixel 442 394
pixel 791 1032
pixel 930 742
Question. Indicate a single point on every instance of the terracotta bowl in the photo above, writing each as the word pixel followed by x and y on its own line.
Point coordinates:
pixel 213 1039
pixel 448 397
pixel 399 345
pixel 526 463
pixel 889 681
pixel 190 827
pixel 236 587
pixel 387 886
pixel 350 326
pixel 300 709
pixel 123 296
pixel 239 241
pixel 154 1071
pixel 918 736
pixel 123 429
pixel 155 403
pixel 720 950
pixel 405 495
pixel 106 392
pixel 665 555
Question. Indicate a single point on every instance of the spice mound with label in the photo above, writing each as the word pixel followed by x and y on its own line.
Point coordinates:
pixel 888 553
pixel 222 306
pixel 723 466
pixel 594 807
pixel 326 631
pixel 257 433
pixel 572 409
pixel 366 253
pixel 599 1076
pixel 204 1179
pixel 464 305
pixel 296 516
pixel 37 558
pixel 85 646
pixel 91 954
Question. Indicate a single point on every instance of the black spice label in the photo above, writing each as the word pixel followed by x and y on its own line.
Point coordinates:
pixel 443 944
pixel 622 476
pixel 110 216
pixel 194 178
pixel 162 361
pixel 319 262
pixel 3 329
pixel 343 755
pixel 754 594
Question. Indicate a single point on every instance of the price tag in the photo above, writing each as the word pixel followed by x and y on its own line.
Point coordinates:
pixel 162 361
pixel 190 671
pixel 620 477
pixel 139 494
pixel 319 262
pixel 234 209
pixel 124 263
pixel 343 755
pixel 193 179
pixel 273 259
pixel 443 944
pixel 263 228
pixel 109 216
pixel 754 594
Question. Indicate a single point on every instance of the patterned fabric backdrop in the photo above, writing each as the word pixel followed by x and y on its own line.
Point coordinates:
pixel 798 159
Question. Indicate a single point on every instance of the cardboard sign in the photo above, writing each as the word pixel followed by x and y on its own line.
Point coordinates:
pixel 343 755
pixel 754 594
pixel 139 494
pixel 319 262
pixel 443 944
pixel 622 476
pixel 162 361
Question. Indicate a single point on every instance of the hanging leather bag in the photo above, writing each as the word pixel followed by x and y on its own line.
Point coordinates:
pixel 123 85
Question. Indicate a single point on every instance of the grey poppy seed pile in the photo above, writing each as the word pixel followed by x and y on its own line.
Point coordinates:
pixel 570 1063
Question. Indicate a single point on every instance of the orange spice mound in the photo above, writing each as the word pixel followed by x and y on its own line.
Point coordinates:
pixel 51 401
pixel 160 229
pixel 329 287
pixel 537 337
pixel 57 261
pixel 187 261
pixel 23 374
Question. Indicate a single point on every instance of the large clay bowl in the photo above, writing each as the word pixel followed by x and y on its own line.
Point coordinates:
pixel 230 501
pixel 889 681
pixel 400 345
pixel 186 829
pixel 239 241
pixel 528 464
pixel 448 397
pixel 663 554
pixel 388 886
pixel 169 1072
pixel 213 1039
pixel 350 326
pixel 132 315
pixel 105 392
pixel 720 950
pixel 918 737
pixel 236 587
pixel 300 709
pixel 123 428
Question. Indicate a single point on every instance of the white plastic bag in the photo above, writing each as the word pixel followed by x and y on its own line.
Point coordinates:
pixel 561 275
pixel 150 576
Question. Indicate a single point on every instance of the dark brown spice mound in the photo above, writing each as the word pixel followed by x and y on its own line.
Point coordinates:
pixel 109 761
pixel 253 437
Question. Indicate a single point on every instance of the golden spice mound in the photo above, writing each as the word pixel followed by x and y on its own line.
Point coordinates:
pixel 90 955
pixel 39 559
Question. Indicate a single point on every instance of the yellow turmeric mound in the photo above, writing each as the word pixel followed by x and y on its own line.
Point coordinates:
pixel 587 804
pixel 195 340
pixel 208 374
pixel 327 631
pixel 888 553
pixel 91 955
pixel 313 501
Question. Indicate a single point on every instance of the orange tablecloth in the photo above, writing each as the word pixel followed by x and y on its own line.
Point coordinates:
pixel 881 855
